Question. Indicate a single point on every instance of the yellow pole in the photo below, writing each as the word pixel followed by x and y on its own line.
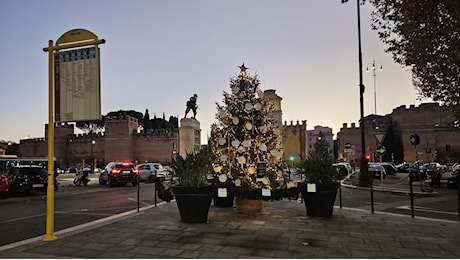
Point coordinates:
pixel 50 189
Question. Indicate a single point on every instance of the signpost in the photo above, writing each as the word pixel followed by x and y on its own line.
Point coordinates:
pixel 414 139
pixel 380 150
pixel 79 79
pixel 379 137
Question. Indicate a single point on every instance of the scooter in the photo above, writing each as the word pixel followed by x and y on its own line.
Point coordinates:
pixel 82 177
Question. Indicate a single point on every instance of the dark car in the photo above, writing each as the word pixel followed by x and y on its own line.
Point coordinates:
pixel 120 173
pixel 26 178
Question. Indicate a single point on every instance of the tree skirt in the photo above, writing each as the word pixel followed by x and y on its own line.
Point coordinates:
pixel 248 206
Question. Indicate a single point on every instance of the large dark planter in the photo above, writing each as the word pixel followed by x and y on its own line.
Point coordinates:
pixel 222 201
pixel 193 203
pixel 321 202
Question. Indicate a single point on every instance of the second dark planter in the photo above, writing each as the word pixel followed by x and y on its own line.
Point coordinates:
pixel 193 203
pixel 222 201
pixel 321 202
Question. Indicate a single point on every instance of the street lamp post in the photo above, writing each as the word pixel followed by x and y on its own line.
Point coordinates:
pixel 364 178
pixel 375 88
pixel 92 159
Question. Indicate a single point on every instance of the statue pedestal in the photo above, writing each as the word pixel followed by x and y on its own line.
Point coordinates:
pixel 189 136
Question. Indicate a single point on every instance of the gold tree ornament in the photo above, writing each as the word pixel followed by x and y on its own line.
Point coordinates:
pixel 241 160
pixel 222 141
pixel 248 106
pixel 260 93
pixel 222 113
pixel 263 129
pixel 248 126
pixel 247 143
pixel 238 182
pixel 263 147
pixel 223 178
pixel 217 168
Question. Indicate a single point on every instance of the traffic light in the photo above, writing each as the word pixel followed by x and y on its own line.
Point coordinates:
pixel 367 157
pixel 291 158
pixel 174 152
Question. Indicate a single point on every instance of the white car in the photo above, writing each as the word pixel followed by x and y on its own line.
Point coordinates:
pixel 150 171
pixel 347 166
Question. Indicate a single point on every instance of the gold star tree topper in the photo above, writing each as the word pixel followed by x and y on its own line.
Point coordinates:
pixel 243 69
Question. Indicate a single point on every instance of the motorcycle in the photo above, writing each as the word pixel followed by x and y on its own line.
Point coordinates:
pixel 82 177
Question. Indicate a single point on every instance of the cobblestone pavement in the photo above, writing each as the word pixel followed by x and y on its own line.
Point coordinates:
pixel 282 231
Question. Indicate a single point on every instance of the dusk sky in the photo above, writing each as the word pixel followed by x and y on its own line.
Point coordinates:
pixel 158 53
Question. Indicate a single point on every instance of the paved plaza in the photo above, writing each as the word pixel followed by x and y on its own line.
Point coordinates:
pixel 282 231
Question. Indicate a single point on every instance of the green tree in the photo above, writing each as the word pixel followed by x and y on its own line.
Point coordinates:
pixel 146 121
pixel 321 146
pixel 393 145
pixel 424 36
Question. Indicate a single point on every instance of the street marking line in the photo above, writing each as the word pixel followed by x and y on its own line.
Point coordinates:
pixel 75 229
pixel 399 215
pixel 427 210
pixel 141 202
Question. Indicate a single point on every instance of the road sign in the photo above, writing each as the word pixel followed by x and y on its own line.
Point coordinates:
pixel 347 145
pixel 379 137
pixel 380 150
pixel 414 139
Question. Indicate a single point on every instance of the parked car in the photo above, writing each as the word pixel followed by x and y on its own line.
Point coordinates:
pixel 377 171
pixel 119 173
pixel 150 171
pixel 404 167
pixel 342 169
pixel 103 176
pixel 451 177
pixel 390 168
pixel 452 183
pixel 4 189
pixel 26 178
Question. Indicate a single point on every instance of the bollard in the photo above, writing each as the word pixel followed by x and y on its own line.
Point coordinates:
pixel 155 193
pixel 458 195
pixel 372 195
pixel 138 192
pixel 411 188
pixel 340 194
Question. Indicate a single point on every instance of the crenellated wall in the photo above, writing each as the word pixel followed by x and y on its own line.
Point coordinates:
pixel 120 142
pixel 439 137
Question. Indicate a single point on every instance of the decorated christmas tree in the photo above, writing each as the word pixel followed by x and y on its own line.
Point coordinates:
pixel 245 143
